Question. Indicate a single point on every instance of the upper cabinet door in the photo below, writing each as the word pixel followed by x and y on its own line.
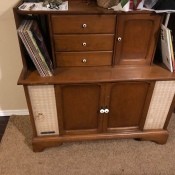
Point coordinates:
pixel 136 38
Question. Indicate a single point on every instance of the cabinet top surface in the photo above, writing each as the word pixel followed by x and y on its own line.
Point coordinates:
pixel 77 7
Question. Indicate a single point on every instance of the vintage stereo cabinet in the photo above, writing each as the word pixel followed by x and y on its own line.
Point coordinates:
pixel 105 84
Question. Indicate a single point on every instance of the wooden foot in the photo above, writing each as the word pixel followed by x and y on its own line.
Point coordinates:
pixel 157 137
pixel 39 146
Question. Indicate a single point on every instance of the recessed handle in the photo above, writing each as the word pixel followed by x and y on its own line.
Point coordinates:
pixel 84 25
pixel 84 44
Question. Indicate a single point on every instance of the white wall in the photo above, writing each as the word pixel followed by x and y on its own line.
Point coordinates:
pixel 12 99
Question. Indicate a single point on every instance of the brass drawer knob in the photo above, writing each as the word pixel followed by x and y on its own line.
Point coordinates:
pixel 84 60
pixel 84 44
pixel 84 25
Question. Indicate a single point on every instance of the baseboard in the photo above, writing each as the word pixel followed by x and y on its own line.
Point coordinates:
pixel 14 112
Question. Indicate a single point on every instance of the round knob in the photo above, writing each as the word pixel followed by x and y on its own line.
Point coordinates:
pixel 119 38
pixel 84 25
pixel 102 111
pixel 84 43
pixel 84 60
pixel 106 111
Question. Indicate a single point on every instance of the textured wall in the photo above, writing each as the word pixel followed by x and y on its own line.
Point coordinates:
pixel 11 96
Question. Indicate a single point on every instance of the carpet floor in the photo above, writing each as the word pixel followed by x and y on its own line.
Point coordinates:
pixel 106 157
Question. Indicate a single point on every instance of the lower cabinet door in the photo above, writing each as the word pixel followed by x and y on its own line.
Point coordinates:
pixel 78 108
pixel 128 103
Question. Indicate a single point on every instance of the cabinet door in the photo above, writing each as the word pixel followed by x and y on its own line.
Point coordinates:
pixel 78 108
pixel 127 103
pixel 136 38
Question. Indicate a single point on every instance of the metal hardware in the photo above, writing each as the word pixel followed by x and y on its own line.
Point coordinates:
pixel 102 111
pixel 48 132
pixel 119 38
pixel 84 61
pixel 84 25
pixel 84 43
pixel 106 111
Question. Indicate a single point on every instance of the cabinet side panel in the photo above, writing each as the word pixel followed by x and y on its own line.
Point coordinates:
pixel 44 109
pixel 160 104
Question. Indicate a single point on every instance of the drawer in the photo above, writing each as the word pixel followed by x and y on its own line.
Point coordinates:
pixel 83 23
pixel 83 59
pixel 92 42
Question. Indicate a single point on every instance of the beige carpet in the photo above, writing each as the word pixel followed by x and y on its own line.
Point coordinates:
pixel 110 157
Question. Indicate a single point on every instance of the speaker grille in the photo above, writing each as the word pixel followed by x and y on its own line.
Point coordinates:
pixel 160 104
pixel 44 109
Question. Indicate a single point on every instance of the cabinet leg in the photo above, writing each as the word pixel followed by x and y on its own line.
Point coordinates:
pixel 159 138
pixel 40 146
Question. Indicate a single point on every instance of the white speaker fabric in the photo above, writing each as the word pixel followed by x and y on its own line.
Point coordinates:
pixel 44 109
pixel 162 97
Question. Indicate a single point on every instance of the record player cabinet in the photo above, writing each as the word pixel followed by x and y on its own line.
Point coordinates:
pixel 105 85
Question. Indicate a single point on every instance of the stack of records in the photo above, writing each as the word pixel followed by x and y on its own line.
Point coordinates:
pixel 33 41
pixel 167 48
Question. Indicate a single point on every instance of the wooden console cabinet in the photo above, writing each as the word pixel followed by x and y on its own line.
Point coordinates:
pixel 105 83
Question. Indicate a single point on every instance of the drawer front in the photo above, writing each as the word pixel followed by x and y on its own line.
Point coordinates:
pixel 84 42
pixel 83 24
pixel 83 59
